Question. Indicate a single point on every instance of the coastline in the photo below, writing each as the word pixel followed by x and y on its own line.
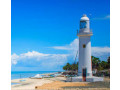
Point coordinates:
pixel 59 83
pixel 27 74
pixel 28 83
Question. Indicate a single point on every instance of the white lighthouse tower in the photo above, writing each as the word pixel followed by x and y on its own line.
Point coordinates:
pixel 84 34
pixel 85 62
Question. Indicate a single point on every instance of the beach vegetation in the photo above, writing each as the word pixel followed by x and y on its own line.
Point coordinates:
pixel 101 66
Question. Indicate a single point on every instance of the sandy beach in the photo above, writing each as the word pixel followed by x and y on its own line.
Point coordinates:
pixel 57 83
pixel 28 84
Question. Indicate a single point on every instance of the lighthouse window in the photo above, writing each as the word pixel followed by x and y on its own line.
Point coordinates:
pixel 84 45
pixel 83 24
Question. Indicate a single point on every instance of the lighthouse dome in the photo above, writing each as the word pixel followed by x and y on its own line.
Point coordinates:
pixel 84 18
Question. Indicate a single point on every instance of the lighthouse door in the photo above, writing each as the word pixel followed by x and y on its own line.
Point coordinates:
pixel 84 74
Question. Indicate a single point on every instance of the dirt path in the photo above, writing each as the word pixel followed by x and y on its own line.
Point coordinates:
pixel 58 85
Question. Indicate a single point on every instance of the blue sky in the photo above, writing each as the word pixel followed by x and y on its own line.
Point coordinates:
pixel 44 29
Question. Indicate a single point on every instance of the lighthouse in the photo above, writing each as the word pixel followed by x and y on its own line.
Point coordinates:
pixel 84 34
pixel 85 62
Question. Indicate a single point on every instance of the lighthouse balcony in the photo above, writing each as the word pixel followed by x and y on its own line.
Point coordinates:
pixel 90 33
pixel 85 30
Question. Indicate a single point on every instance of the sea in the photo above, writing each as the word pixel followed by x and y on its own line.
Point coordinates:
pixel 27 74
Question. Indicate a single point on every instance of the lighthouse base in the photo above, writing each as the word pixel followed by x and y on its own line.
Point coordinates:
pixel 88 79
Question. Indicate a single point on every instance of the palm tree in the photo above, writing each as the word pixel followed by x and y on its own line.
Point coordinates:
pixel 67 67
pixel 108 62
pixel 74 67
pixel 95 62
pixel 104 64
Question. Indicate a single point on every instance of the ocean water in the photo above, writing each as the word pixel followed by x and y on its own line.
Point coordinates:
pixel 27 74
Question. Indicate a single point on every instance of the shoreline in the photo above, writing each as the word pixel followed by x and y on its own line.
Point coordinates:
pixel 29 75
pixel 55 82
pixel 28 83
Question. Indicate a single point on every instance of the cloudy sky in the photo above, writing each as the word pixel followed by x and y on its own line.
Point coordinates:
pixel 43 33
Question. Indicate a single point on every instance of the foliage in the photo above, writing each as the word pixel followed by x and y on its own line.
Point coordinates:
pixel 72 67
pixel 96 64
pixel 108 62
pixel 67 67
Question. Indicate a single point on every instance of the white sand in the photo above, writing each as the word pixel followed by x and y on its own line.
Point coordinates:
pixel 29 84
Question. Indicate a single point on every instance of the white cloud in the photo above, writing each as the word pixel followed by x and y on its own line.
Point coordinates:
pixel 71 46
pixel 61 47
pixel 107 17
pixel 54 61
pixel 14 58
pixel 96 51
pixel 102 18
pixel 33 54
pixel 99 51
pixel 39 59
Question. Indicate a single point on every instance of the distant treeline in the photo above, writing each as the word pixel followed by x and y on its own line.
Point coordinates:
pixel 96 64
